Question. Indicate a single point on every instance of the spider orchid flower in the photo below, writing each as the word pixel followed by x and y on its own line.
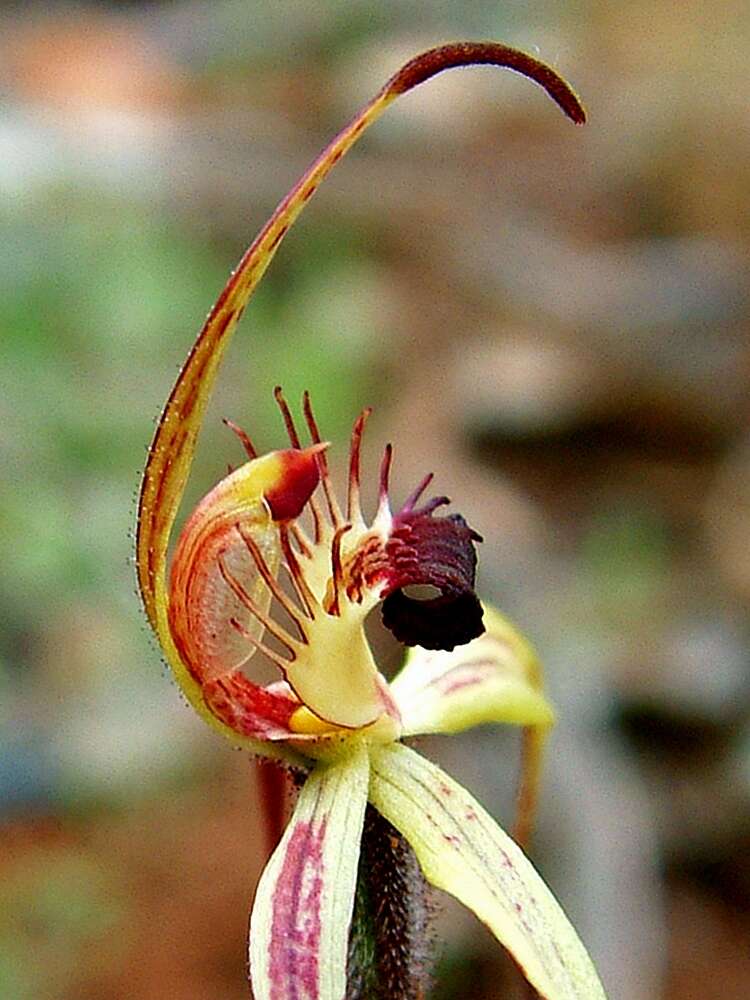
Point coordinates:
pixel 270 563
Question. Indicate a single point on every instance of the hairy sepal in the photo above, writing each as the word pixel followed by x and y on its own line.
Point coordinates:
pixel 172 449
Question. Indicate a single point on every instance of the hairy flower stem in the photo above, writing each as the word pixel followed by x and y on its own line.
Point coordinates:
pixel 388 947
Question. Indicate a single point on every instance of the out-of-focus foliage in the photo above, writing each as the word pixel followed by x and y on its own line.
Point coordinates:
pixel 555 321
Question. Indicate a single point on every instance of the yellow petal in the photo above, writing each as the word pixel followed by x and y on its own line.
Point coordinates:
pixel 299 928
pixel 463 851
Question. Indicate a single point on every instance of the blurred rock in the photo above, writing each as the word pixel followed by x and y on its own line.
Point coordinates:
pixel 84 63
pixel 524 385
pixel 727 521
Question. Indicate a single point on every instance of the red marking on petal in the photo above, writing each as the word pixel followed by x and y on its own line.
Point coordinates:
pixel 250 449
pixel 420 550
pixel 294 944
pixel 286 415
pixel 411 500
pixel 333 605
pixel 210 553
pixel 353 509
pixel 296 574
pixel 272 583
pixel 334 511
pixel 187 404
pixel 223 322
pixel 467 675
pixel 365 567
pixel 278 238
pixel 249 709
pixel 300 475
pixel 385 474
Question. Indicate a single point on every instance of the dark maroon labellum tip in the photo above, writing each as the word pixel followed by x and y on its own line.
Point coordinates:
pixel 436 552
pixel 439 623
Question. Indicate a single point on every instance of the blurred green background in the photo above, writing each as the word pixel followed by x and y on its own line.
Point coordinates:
pixel 554 320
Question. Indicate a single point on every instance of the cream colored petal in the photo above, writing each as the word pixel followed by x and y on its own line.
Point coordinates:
pixel 495 678
pixel 299 928
pixel 463 851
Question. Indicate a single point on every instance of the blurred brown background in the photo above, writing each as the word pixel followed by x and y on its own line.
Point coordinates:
pixel 554 320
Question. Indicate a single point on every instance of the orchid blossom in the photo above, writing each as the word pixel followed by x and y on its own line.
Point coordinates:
pixel 332 715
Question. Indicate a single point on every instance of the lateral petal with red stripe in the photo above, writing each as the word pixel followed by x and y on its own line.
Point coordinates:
pixel 299 928
pixel 495 678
